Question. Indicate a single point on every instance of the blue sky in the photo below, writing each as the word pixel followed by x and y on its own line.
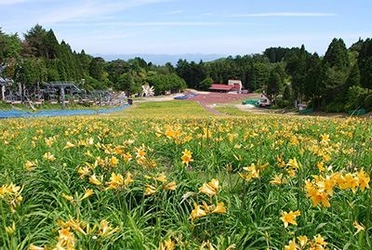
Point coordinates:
pixel 235 27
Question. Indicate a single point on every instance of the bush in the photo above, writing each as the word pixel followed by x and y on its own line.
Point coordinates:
pixel 281 103
pixel 368 102
pixel 355 98
pixel 335 107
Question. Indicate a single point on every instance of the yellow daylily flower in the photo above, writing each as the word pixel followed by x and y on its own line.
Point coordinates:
pixel 220 208
pixel 88 192
pixel 186 157
pixel 93 179
pixel 170 186
pixel 211 188
pixel 359 227
pixel 290 217
pixel 197 212
pixel 69 145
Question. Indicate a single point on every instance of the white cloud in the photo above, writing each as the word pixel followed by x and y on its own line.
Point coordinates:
pixel 286 14
pixel 172 24
pixel 13 2
pixel 91 10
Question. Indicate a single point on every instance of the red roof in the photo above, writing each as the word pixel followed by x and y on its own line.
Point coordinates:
pixel 218 86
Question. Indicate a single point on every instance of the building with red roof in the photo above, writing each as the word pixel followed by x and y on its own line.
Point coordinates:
pixel 233 85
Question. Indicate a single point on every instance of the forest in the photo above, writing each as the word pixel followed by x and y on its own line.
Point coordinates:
pixel 338 81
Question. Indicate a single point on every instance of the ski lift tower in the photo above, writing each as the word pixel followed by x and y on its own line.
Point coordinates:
pixel 64 87
pixel 4 82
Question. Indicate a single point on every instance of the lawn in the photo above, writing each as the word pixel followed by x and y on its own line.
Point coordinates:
pixel 170 175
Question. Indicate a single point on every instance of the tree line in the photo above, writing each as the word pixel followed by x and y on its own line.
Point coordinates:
pixel 340 80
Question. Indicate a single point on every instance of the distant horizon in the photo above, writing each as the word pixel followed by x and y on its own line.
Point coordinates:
pixel 163 58
pixel 176 27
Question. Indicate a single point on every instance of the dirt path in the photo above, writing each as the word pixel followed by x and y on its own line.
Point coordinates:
pixel 210 109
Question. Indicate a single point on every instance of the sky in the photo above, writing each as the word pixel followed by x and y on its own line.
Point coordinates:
pixel 235 27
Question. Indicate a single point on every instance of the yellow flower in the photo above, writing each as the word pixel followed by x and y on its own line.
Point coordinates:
pixel 119 150
pixel 316 196
pixel 49 156
pixel 30 164
pixel 186 157
pixel 93 179
pixel 167 245
pixel 208 245
pixel 325 184
pixel 128 179
pixel 83 171
pixel 170 186
pixel 66 238
pixel 88 192
pixel 68 197
pixel 290 217
pixel 140 153
pixel 303 240
pixel 150 189
pixel 127 157
pixel 116 181
pixel 69 145
pixel 293 163
pixel 324 139
pixel 319 241
pixel 49 141
pixel 12 195
pixel 348 181
pixel 33 247
pixel 114 161
pixel 320 166
pixel 253 171
pixel 363 179
pixel 10 229
pixel 74 224
pixel 106 230
pixel 210 188
pixel 161 177
pixel 220 208
pixel 359 227
pixel 278 179
pixel 291 245
pixel 197 212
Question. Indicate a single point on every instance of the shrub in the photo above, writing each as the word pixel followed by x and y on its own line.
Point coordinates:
pixel 335 107
pixel 368 102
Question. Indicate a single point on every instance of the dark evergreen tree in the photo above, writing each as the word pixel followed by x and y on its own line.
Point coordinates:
pixel 96 68
pixel 314 84
pixel 337 55
pixel 50 45
pixel 354 77
pixel 35 39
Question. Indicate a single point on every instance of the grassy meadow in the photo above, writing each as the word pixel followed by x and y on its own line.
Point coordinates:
pixel 169 175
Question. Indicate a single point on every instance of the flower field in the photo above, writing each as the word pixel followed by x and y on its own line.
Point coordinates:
pixel 189 182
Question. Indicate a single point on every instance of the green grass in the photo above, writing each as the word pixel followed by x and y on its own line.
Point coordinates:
pixel 159 109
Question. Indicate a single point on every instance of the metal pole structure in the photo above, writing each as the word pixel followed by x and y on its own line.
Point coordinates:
pixel 63 97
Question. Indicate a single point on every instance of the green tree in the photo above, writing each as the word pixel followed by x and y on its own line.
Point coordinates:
pixel 314 85
pixel 274 84
pixel 115 69
pixel 35 39
pixel 96 68
pixel 50 45
pixel 354 76
pixel 337 55
pixel 125 82
pixel 206 83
